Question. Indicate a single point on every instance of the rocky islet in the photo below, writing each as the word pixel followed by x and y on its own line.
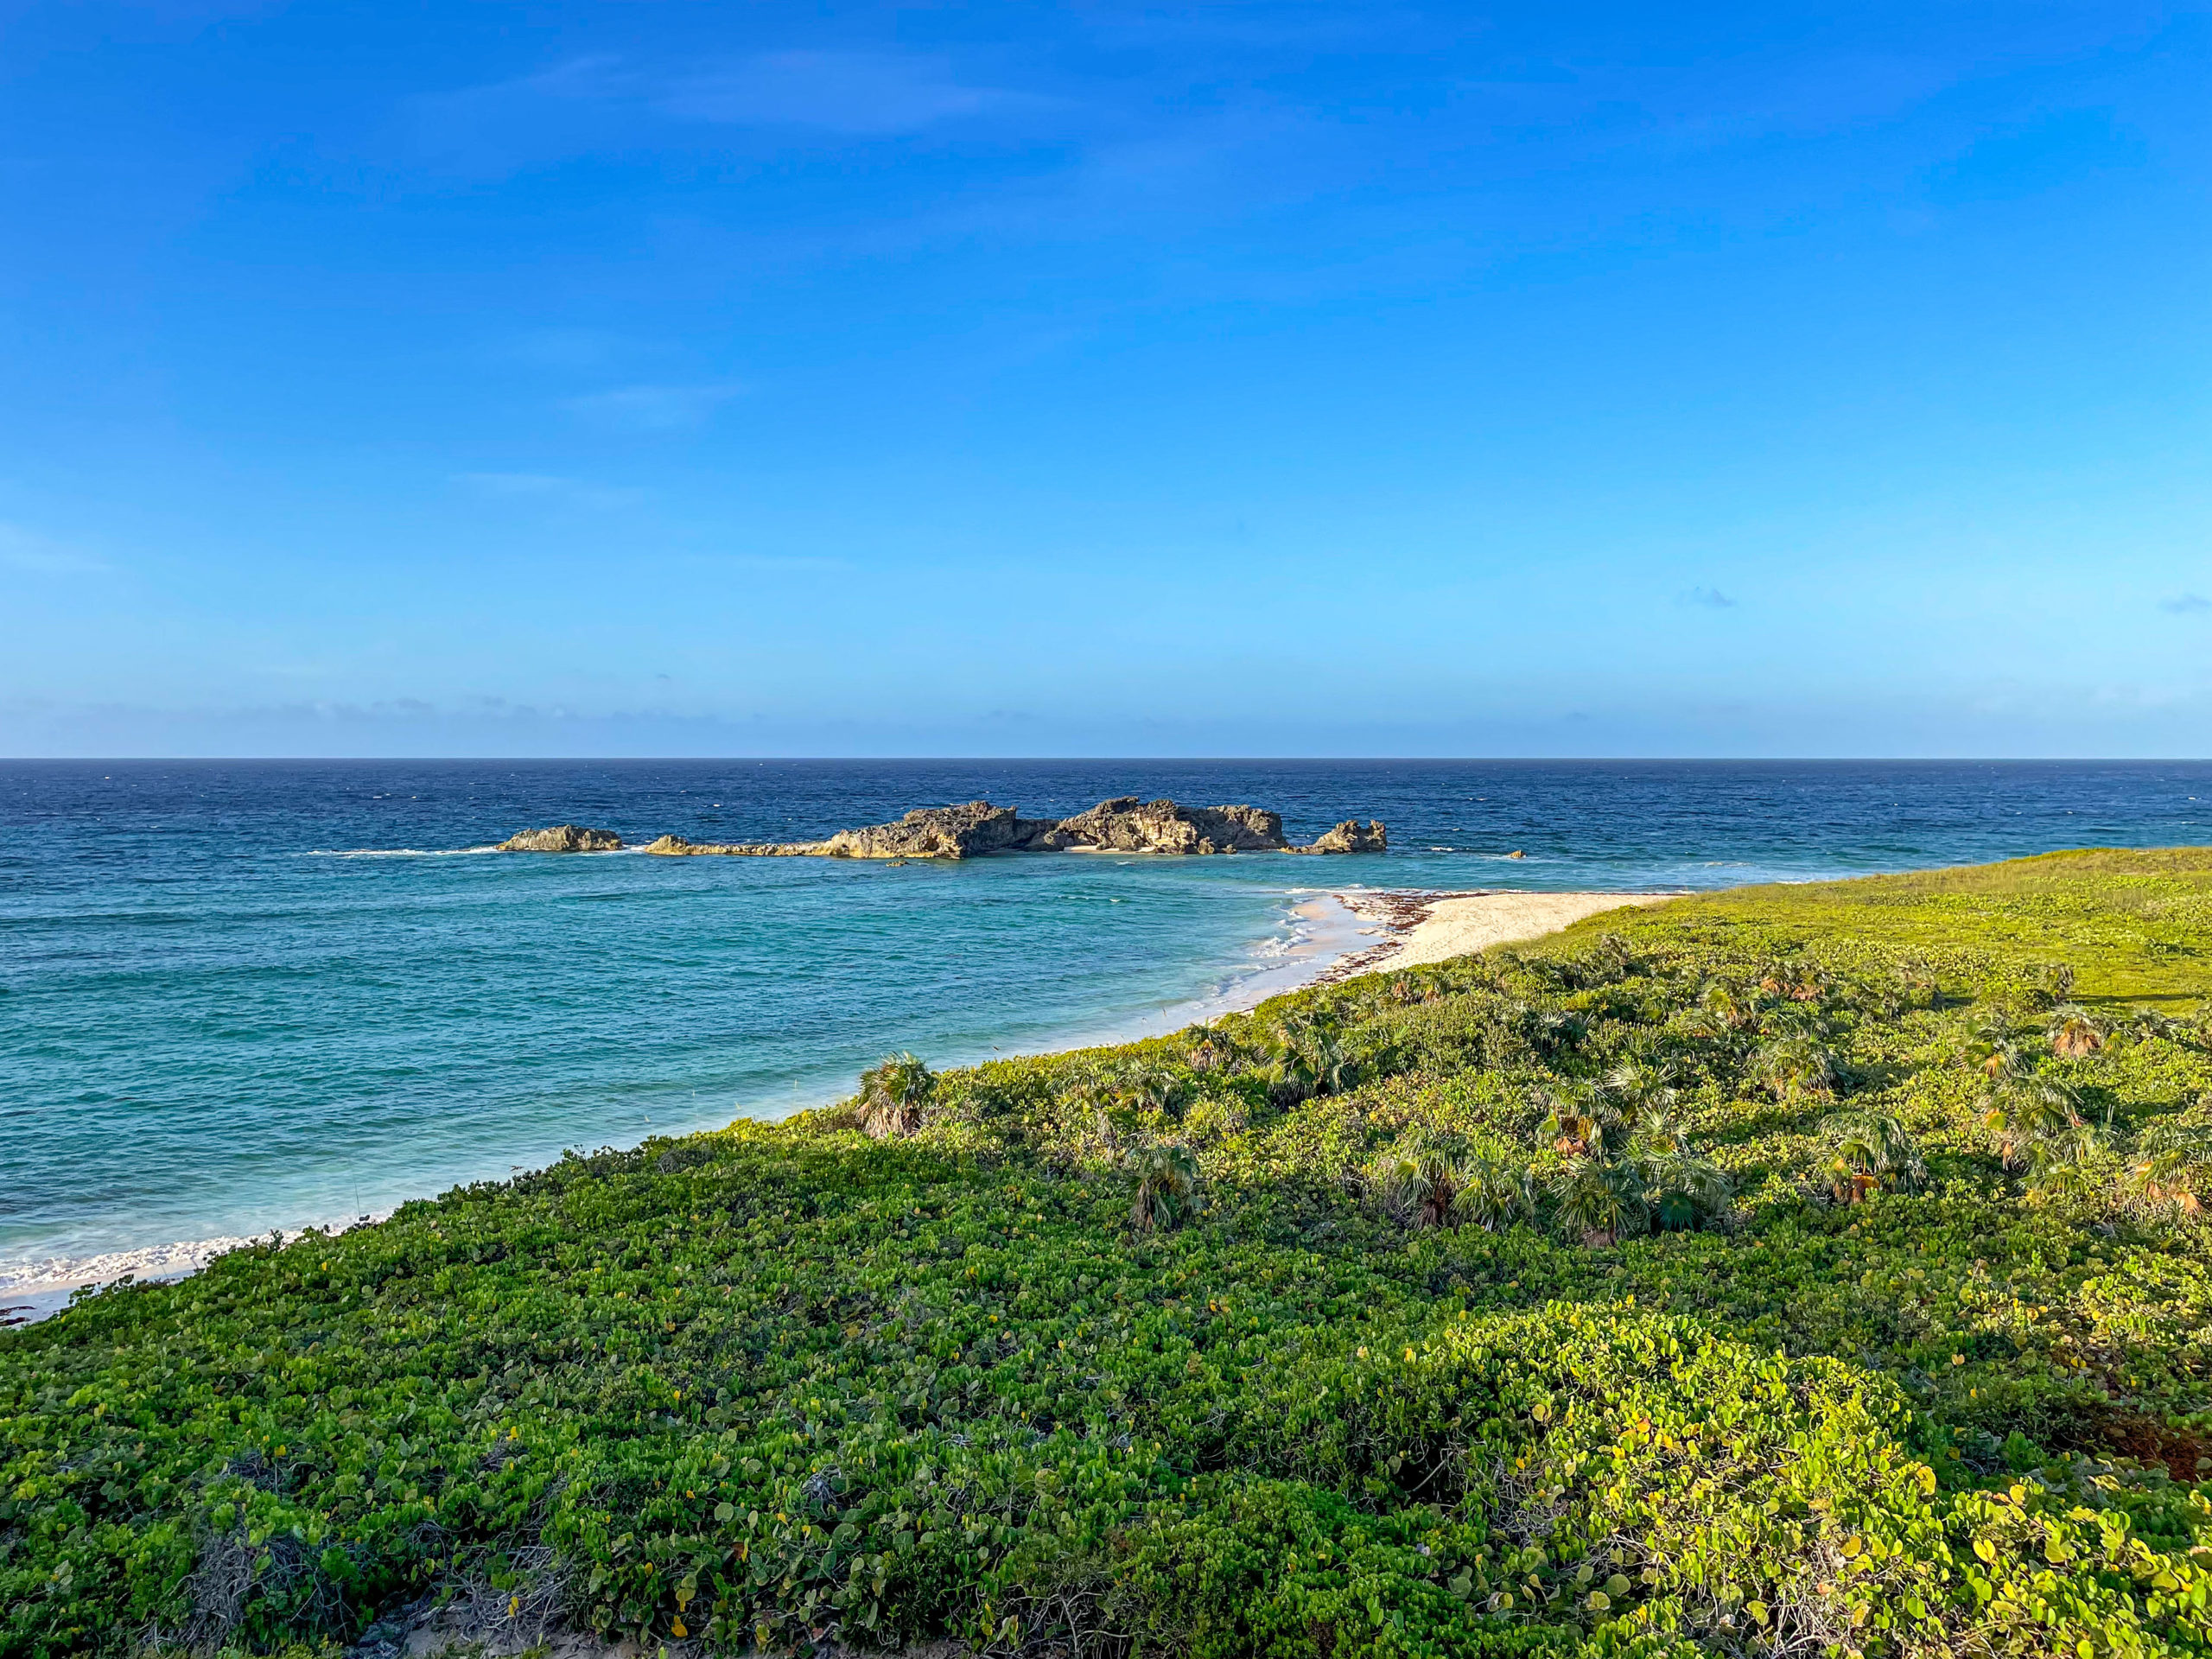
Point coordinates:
pixel 977 829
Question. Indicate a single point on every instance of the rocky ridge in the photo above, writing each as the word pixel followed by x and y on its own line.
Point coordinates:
pixel 562 838
pixel 1349 836
pixel 976 829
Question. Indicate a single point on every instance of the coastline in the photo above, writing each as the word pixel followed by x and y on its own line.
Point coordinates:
pixel 1333 936
pixel 1423 927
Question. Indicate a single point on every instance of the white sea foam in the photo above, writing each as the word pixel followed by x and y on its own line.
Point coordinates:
pixel 44 1276
pixel 153 1262
pixel 397 852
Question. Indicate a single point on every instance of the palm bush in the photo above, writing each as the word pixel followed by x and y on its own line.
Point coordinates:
pixel 1493 1194
pixel 2076 1033
pixel 1600 1201
pixel 1682 1186
pixel 1416 1182
pixel 894 1095
pixel 1643 1086
pixel 1726 1011
pixel 1407 988
pixel 1310 1059
pixel 1433 1180
pixel 2036 1121
pixel 1214 1047
pixel 1579 1125
pixel 1798 1067
pixel 1167 1190
pixel 2169 1166
pixel 1795 981
pixel 1152 1091
pixel 1867 1152
pixel 1661 1130
pixel 1995 1048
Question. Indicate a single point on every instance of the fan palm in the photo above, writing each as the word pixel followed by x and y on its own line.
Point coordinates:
pixel 2037 1121
pixel 1405 988
pixel 1728 1010
pixel 1996 1049
pixel 894 1095
pixel 1643 1086
pixel 1663 1131
pixel 2076 1033
pixel 1867 1151
pixel 2169 1164
pixel 2143 1023
pixel 1602 1201
pixel 1798 981
pixel 1493 1194
pixel 1682 1186
pixel 1213 1048
pixel 1311 1059
pixel 1151 1090
pixel 1797 1067
pixel 1168 1186
pixel 1416 1182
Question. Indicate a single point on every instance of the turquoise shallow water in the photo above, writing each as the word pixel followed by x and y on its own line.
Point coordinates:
pixel 236 996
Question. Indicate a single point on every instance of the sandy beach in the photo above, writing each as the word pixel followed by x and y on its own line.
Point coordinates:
pixel 1425 927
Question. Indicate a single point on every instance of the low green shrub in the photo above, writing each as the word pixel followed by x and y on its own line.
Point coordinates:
pixel 1869 1388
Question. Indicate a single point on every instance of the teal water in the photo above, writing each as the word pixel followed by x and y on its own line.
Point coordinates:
pixel 239 997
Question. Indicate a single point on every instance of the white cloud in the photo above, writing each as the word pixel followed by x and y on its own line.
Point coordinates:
pixel 653 409
pixel 856 93
pixel 548 488
pixel 590 103
pixel 36 555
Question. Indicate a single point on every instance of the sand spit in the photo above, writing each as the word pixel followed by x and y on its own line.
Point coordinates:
pixel 1423 927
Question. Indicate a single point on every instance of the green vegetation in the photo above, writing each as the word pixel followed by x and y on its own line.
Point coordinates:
pixel 1807 1270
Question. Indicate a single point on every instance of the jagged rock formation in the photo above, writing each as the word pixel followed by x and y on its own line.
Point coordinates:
pixel 968 830
pixel 563 838
pixel 676 847
pixel 974 828
pixel 1349 836
pixel 1126 824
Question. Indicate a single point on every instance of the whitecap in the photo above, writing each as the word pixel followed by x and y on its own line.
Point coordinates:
pixel 396 852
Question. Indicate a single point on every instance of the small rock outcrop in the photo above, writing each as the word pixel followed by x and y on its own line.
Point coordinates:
pixel 1349 836
pixel 676 847
pixel 970 830
pixel 975 828
pixel 1126 824
pixel 563 838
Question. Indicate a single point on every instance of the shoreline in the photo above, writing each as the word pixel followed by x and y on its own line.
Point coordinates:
pixel 1417 925
pixel 1430 926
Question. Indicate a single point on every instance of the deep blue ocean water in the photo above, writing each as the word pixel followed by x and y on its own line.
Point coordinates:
pixel 240 995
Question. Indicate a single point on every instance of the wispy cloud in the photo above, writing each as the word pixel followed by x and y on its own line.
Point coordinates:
pixel 549 488
pixel 586 103
pixel 501 125
pixel 1711 597
pixel 653 409
pixel 2185 604
pixel 28 551
pixel 856 93
pixel 775 562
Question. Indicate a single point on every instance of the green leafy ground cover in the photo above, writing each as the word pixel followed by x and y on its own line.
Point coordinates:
pixel 1797 1270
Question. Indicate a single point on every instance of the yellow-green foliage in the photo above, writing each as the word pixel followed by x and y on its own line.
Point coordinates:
pixel 789 1385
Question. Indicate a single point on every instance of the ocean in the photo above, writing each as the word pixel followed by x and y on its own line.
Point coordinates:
pixel 243 995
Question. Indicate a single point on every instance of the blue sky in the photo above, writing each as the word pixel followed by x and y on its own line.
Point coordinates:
pixel 671 378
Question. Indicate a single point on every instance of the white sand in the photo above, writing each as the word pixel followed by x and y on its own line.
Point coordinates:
pixel 1456 927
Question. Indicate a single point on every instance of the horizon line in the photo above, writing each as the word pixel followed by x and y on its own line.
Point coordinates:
pixel 1107 759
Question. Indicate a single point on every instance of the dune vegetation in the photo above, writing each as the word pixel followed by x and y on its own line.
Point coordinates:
pixel 1806 1270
